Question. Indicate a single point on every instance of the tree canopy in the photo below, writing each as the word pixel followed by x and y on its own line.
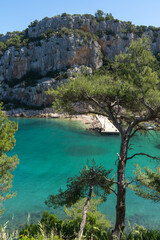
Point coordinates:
pixel 147 183
pixel 116 95
pixel 79 185
pixel 7 164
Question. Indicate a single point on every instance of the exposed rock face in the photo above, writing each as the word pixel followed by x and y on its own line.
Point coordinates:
pixel 56 53
pixel 115 38
pixel 67 50
pixel 30 96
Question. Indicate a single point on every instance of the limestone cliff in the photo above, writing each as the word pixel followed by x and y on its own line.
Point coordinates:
pixel 60 43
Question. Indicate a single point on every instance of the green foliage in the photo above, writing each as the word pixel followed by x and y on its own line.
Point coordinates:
pixel 78 187
pixel 158 58
pixel 139 30
pixel 41 237
pixel 29 79
pixel 133 80
pixel 89 16
pixel 93 230
pixel 57 75
pixel 141 233
pixel 30 230
pixel 49 33
pixel 7 164
pixel 129 96
pixel 128 27
pixel 34 23
pixel 65 15
pixel 109 17
pixel 107 67
pixel 73 91
pixel 17 39
pixel 2 48
pixel 136 76
pixel 45 18
pixel 100 34
pixel 77 33
pixel 96 224
pixel 154 29
pixel 75 211
pixel 49 223
pixel 15 103
pixel 100 15
pixel 147 183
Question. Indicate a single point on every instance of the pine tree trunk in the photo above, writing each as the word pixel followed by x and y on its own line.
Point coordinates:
pixel 121 190
pixel 85 209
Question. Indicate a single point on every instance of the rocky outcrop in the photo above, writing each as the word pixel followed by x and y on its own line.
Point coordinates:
pixel 21 112
pixel 43 56
pixel 63 43
pixel 117 35
pixel 64 49
pixel 31 96
pixel 35 96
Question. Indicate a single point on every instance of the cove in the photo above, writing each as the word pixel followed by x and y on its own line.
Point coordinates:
pixel 52 150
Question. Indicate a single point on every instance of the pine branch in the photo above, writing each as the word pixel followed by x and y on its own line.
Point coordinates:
pixel 130 182
pixel 136 130
pixel 109 113
pixel 143 154
pixel 113 191
pixel 109 180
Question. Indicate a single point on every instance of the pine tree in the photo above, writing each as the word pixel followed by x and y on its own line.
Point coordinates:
pixel 128 96
pixel 147 183
pixel 80 186
pixel 7 164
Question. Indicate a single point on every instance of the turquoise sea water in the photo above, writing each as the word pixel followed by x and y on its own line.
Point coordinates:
pixel 52 150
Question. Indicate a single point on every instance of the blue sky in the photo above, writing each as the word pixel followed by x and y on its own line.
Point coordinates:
pixel 17 14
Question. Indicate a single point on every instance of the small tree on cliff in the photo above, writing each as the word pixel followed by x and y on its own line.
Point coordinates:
pixel 78 187
pixel 128 97
pixel 7 164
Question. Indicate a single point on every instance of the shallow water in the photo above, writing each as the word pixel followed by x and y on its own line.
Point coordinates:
pixel 51 150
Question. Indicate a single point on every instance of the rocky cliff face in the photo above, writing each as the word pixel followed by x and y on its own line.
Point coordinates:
pixel 60 43
pixel 30 96
pixel 114 36
pixel 55 53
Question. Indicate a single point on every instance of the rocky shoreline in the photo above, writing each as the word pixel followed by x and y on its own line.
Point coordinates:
pixel 91 122
pixel 99 124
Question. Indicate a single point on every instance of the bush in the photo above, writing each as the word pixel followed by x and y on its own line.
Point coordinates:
pixel 77 33
pixel 109 17
pixel 99 15
pixel 49 33
pixel 141 233
pixel 96 223
pixel 29 79
pixel 17 39
pixel 48 223
pixel 33 24
pixel 30 230
pixel 65 15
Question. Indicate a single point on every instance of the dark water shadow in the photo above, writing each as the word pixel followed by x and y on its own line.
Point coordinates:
pixel 157 146
pixel 82 151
